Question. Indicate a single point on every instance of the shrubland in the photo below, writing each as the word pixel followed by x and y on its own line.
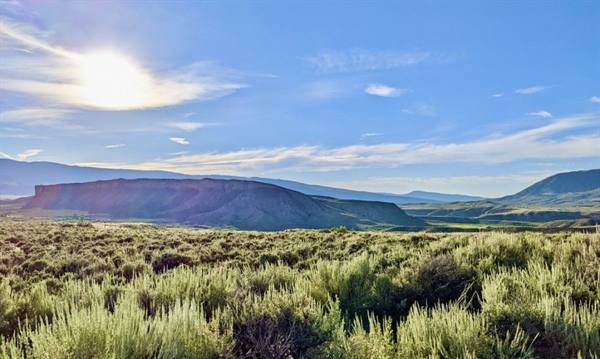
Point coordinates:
pixel 101 290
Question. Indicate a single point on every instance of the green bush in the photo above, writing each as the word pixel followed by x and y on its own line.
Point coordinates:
pixel 351 283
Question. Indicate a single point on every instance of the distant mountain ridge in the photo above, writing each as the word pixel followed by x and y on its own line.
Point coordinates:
pixel 19 178
pixel 444 197
pixel 564 199
pixel 577 188
pixel 246 205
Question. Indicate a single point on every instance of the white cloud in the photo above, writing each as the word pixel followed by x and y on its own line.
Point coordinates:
pixel 541 114
pixel 187 126
pixel 29 153
pixel 498 95
pixel 385 91
pixel 421 109
pixel 361 60
pixel 4 155
pixel 540 143
pixel 116 145
pixel 595 99
pixel 58 76
pixel 180 140
pixel 531 90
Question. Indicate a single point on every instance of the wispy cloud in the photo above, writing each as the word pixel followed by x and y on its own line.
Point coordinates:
pixel 369 134
pixel 188 126
pixel 116 145
pixel 330 89
pixel 36 116
pixel 595 99
pixel 180 140
pixel 361 60
pixel 544 142
pixel 541 114
pixel 385 91
pixel 61 76
pixel 29 153
pixel 421 109
pixel 531 90
pixel 497 95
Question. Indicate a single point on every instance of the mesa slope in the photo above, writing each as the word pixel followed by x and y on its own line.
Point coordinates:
pixel 216 203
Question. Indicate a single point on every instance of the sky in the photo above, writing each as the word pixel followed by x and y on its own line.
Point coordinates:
pixel 472 97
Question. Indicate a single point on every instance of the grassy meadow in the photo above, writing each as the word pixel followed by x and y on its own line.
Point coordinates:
pixel 101 290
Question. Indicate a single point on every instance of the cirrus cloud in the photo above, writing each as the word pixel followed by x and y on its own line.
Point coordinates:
pixel 360 60
pixel 421 109
pixel 187 126
pixel 545 114
pixel 531 90
pixel 36 116
pixel 555 140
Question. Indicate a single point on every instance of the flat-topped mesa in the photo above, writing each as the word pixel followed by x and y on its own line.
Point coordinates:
pixel 211 202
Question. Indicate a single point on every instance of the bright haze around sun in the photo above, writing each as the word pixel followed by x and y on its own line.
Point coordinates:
pixel 477 98
pixel 112 82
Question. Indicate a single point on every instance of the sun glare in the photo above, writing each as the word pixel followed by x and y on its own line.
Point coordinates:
pixel 112 82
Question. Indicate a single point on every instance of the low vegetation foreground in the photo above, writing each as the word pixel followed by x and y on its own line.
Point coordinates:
pixel 96 290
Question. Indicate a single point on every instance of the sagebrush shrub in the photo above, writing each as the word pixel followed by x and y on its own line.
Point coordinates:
pixel 276 335
pixel 441 280
pixel 169 261
pixel 188 293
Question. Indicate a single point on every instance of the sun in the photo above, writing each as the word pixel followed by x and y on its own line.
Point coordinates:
pixel 110 81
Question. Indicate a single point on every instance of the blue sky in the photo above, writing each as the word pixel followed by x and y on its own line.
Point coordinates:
pixel 480 98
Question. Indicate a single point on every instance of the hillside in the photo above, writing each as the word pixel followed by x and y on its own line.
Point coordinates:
pixel 488 212
pixel 214 203
pixel 570 198
pixel 579 188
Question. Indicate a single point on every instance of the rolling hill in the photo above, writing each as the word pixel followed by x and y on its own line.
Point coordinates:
pixel 579 188
pixel 570 197
pixel 216 203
